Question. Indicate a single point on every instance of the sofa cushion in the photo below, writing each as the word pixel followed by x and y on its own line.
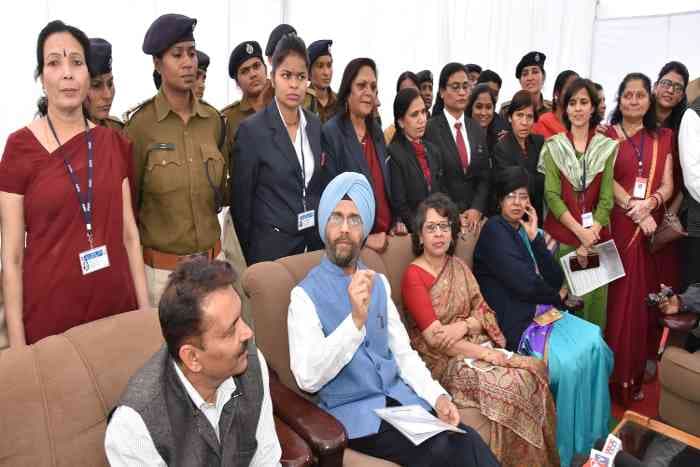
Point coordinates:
pixel 55 404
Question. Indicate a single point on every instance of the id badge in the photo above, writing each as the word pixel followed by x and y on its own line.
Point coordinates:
pixel 94 260
pixel 305 220
pixel 587 220
pixel 640 188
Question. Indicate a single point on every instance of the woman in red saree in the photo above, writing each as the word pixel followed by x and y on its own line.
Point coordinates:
pixel 457 335
pixel 643 182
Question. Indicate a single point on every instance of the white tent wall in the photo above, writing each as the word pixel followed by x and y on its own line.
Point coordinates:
pixel 399 34
pixel 642 44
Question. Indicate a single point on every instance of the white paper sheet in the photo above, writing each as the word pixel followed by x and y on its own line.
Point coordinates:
pixel 610 269
pixel 414 422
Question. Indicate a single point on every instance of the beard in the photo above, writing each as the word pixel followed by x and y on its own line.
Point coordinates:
pixel 343 257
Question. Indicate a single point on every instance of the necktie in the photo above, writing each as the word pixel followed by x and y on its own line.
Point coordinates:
pixel 461 147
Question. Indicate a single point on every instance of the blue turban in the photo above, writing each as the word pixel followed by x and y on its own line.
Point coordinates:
pixel 358 189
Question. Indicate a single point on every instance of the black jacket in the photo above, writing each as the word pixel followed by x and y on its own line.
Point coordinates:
pixel 468 190
pixel 345 154
pixel 266 187
pixel 409 187
pixel 507 153
pixel 506 275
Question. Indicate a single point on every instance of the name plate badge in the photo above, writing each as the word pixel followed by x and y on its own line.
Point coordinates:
pixel 94 260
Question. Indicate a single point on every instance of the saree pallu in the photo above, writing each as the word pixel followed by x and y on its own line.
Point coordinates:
pixel 514 397
pixel 633 332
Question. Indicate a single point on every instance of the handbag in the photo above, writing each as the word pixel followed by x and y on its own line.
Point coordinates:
pixel 670 230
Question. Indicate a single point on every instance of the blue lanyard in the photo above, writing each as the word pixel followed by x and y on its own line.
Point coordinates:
pixel 86 201
pixel 639 152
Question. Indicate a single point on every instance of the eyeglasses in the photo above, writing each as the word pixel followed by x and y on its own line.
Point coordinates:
pixel 457 86
pixel 443 226
pixel 337 220
pixel 523 197
pixel 668 84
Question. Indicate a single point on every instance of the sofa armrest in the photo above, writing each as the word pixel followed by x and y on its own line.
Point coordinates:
pixel 295 451
pixel 681 322
pixel 324 434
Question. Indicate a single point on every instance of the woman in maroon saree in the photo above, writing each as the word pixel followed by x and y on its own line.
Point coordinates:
pixel 45 287
pixel 643 182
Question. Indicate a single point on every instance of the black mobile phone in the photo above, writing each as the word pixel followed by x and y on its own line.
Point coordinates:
pixel 526 217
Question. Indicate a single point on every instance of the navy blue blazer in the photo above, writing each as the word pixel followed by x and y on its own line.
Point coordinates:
pixel 345 154
pixel 506 275
pixel 266 187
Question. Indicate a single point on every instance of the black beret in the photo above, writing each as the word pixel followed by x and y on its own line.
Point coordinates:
pixel 424 76
pixel 100 56
pixel 240 54
pixel 168 30
pixel 529 59
pixel 319 48
pixel 276 35
pixel 202 60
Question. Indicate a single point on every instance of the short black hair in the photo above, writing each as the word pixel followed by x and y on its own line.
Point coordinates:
pixel 649 119
pixel 674 120
pixel 521 100
pixel 510 179
pixel 446 208
pixel 472 68
pixel 54 27
pixel 180 308
pixel 576 86
pixel 490 76
pixel 289 44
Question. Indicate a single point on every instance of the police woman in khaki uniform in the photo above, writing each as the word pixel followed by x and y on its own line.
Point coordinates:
pixel 531 75
pixel 180 162
pixel 321 74
pixel 101 91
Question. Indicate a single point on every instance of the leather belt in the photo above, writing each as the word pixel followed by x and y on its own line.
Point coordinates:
pixel 168 261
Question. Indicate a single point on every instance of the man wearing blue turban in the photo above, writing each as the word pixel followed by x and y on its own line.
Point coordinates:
pixel 347 343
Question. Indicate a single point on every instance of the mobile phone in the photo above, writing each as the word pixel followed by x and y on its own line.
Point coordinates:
pixel 593 262
pixel 526 217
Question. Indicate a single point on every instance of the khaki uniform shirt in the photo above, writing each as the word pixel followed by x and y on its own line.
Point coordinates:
pixel 325 112
pixel 176 168
pixel 239 111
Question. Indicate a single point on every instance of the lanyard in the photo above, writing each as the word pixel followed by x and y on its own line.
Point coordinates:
pixel 84 202
pixel 582 193
pixel 303 165
pixel 639 152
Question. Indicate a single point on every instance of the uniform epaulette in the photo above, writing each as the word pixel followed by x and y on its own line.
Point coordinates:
pixel 132 111
pixel 230 106
pixel 310 90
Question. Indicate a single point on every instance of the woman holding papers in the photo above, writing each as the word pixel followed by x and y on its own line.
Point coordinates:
pixel 643 185
pixel 578 186
pixel 457 335
pixel 522 282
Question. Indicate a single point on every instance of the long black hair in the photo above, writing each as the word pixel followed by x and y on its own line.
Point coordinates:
pixel 447 71
pixel 479 89
pixel 402 102
pixel 54 27
pixel 649 120
pixel 352 69
pixel 674 120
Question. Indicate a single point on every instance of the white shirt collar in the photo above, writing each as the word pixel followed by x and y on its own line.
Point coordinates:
pixel 223 392
pixel 451 120
pixel 302 118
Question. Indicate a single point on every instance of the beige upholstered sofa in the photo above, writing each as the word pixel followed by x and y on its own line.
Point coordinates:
pixel 56 394
pixel 269 285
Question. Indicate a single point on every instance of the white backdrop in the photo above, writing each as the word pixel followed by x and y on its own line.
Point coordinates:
pixel 398 34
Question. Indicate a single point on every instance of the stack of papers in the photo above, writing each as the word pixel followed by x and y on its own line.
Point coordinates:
pixel 582 282
pixel 414 422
